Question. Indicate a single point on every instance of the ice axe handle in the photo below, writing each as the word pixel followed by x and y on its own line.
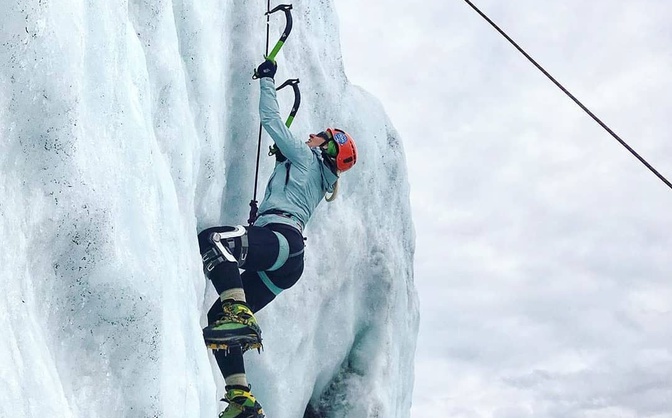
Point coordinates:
pixel 288 29
pixel 294 82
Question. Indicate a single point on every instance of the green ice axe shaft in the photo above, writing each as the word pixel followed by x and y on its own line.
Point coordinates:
pixel 288 29
pixel 294 82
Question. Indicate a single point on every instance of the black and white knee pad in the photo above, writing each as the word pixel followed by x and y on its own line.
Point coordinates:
pixel 228 245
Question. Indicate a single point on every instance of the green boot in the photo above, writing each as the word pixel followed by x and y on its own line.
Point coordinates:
pixel 242 403
pixel 237 325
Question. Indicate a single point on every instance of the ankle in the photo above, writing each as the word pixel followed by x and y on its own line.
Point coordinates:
pixel 237 381
pixel 236 294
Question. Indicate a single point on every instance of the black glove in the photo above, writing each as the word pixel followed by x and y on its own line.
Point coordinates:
pixel 266 69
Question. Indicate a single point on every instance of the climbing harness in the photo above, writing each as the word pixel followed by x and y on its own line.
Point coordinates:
pixel 571 96
pixel 286 8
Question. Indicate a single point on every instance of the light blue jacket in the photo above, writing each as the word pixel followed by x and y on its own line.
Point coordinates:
pixel 298 184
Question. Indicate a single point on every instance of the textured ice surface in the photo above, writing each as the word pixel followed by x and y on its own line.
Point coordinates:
pixel 126 127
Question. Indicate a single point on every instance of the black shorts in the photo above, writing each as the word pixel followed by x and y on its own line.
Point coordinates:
pixel 264 276
pixel 274 261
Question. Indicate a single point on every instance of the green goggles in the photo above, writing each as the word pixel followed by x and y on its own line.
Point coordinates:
pixel 330 148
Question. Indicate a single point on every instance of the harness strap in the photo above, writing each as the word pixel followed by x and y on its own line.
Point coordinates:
pixel 211 259
pixel 285 215
pixel 244 247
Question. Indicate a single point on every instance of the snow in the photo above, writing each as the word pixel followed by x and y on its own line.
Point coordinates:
pixel 125 129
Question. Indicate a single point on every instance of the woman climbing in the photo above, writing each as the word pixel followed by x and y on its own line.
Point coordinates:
pixel 270 251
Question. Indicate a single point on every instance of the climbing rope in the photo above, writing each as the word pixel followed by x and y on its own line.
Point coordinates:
pixel 253 203
pixel 571 96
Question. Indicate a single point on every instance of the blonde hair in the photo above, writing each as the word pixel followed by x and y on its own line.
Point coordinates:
pixel 332 197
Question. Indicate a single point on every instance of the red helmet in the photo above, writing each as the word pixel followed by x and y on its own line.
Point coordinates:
pixel 347 151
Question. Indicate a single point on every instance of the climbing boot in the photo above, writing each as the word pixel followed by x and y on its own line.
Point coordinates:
pixel 242 403
pixel 236 326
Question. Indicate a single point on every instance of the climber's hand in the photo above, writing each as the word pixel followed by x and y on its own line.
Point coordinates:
pixel 266 69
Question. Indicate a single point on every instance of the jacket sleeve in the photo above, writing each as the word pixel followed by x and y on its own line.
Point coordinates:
pixel 296 151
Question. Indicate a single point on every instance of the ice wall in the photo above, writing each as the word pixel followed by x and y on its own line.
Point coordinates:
pixel 125 127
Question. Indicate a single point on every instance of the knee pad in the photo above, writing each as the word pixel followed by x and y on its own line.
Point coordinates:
pixel 229 244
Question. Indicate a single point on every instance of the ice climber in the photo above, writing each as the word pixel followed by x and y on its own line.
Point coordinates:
pixel 270 252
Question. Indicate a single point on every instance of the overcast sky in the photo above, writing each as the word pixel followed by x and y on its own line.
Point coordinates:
pixel 543 246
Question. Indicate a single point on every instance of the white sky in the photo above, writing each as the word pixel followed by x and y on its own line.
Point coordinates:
pixel 542 258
